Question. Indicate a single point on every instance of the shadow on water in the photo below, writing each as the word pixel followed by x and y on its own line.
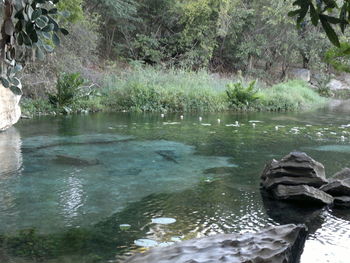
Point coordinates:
pixel 291 213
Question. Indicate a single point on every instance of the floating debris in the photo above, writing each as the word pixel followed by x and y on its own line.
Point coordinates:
pixel 206 124
pixel 171 123
pixel 253 121
pixel 163 220
pixel 232 125
pixel 124 227
pixel 143 242
pixel 200 118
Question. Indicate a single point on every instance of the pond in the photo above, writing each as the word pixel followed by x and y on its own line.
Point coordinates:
pixel 99 187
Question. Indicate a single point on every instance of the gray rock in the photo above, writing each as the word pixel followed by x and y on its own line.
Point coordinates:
pixel 303 194
pixel 10 111
pixel 300 73
pixel 297 168
pixel 335 84
pixel 274 245
pixel 342 201
pixel 337 188
pixel 341 175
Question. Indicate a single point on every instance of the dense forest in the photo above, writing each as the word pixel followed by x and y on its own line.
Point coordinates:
pixel 255 39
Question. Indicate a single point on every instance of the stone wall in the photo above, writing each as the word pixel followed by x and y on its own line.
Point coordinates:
pixel 10 112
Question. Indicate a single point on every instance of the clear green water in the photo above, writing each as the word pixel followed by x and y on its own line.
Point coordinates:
pixel 68 183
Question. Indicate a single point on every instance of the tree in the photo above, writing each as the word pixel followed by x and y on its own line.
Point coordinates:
pixel 29 30
pixel 324 11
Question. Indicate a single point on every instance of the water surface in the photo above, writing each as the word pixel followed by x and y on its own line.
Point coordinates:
pixel 69 183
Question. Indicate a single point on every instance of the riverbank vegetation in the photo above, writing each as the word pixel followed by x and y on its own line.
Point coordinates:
pixel 172 55
pixel 148 89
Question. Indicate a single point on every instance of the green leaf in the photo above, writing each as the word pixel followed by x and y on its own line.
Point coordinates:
pixel 53 11
pixel 332 36
pixel 5 82
pixel 40 54
pixel 37 13
pixel 40 22
pixel 26 39
pixel 46 35
pixel 64 31
pixel 314 15
pixel 303 11
pixel 56 40
pixel 294 13
pixel 48 48
pixel 48 28
pixel 20 40
pixel 15 82
pixel 16 90
pixel 331 19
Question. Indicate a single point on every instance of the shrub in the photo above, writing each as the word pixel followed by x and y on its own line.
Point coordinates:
pixel 290 96
pixel 240 96
pixel 68 90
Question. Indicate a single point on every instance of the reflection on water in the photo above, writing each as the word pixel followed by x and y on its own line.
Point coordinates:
pixel 82 177
pixel 10 168
pixel 10 152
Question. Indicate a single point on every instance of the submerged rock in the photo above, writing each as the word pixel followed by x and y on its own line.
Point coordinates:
pixel 75 161
pixel 274 245
pixel 297 168
pixel 168 155
pixel 303 194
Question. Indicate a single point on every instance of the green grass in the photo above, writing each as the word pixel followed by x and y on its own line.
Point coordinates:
pixel 147 89
pixel 290 96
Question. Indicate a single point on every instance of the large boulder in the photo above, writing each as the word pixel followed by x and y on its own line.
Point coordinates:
pixel 303 194
pixel 297 168
pixel 10 111
pixel 274 245
pixel 337 188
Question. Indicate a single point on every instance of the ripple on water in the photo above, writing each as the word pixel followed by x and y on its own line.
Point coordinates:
pixel 118 170
pixel 330 243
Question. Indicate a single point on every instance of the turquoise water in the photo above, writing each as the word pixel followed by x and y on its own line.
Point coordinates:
pixel 93 188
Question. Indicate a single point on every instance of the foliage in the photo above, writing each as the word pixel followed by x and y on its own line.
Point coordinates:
pixel 338 57
pixel 26 23
pixel 323 11
pixel 240 96
pixel 68 90
pixel 148 89
pixel 290 96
